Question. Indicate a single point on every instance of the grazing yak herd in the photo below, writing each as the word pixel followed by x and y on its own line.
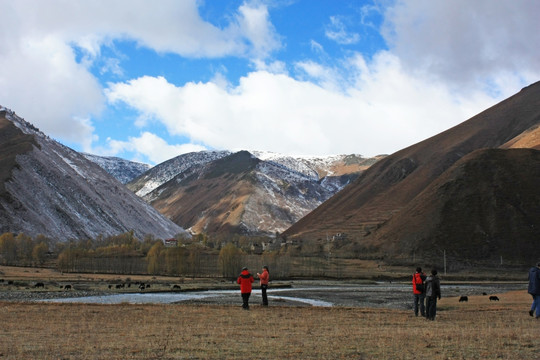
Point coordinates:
pixel 41 285
pixel 466 298
pixel 140 285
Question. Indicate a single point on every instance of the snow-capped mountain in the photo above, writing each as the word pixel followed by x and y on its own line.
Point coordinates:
pixel 123 170
pixel 167 170
pixel 47 188
pixel 245 192
pixel 328 170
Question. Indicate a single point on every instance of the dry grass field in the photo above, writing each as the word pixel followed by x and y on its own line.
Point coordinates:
pixel 52 278
pixel 477 329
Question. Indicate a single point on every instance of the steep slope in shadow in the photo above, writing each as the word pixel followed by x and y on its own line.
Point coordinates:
pixel 486 206
pixel 389 185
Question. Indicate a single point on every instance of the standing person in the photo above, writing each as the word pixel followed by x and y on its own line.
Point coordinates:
pixel 245 280
pixel 263 278
pixel 433 292
pixel 419 291
pixel 534 290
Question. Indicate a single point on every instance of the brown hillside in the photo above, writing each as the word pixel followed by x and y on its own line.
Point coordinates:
pixel 245 193
pixel 487 205
pixel 529 139
pixel 389 185
pixel 194 204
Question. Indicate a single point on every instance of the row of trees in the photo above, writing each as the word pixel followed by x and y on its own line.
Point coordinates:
pixel 126 254
pixel 23 250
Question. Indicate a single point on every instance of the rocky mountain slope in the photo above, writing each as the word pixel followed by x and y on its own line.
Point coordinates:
pixel 121 169
pixel 254 193
pixel 435 195
pixel 47 188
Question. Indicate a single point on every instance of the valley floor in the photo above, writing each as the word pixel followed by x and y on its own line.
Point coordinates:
pixel 477 329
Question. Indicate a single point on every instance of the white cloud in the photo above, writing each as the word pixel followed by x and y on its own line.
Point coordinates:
pixel 254 22
pixel 37 80
pixel 482 44
pixel 173 26
pixel 148 147
pixel 337 31
pixel 382 110
pixel 320 74
pixel 317 48
pixel 275 67
pixel 41 78
pixel 447 61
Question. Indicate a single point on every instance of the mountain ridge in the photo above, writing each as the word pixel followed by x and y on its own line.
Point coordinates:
pixel 55 191
pixel 385 190
pixel 478 207
pixel 251 193
pixel 121 169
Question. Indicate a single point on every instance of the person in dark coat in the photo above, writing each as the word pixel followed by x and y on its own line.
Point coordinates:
pixel 534 290
pixel 245 280
pixel 433 292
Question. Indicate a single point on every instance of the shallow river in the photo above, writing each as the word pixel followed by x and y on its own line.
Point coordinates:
pixel 385 295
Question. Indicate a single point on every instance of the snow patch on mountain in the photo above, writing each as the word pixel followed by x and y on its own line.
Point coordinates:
pixel 169 169
pixel 123 170
pixel 58 192
pixel 283 190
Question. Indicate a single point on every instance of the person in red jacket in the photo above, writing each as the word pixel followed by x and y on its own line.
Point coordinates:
pixel 263 278
pixel 245 280
pixel 418 291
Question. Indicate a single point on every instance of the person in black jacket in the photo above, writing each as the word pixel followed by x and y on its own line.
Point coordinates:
pixel 433 292
pixel 534 290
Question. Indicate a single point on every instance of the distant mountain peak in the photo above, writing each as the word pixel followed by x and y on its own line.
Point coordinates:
pixel 123 170
pixel 249 192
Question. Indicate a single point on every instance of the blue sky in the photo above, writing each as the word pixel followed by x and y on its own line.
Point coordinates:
pixel 150 80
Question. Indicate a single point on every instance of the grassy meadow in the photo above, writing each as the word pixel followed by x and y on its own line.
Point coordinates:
pixel 478 329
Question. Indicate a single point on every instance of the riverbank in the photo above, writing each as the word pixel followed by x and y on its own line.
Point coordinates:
pixel 33 284
pixel 335 294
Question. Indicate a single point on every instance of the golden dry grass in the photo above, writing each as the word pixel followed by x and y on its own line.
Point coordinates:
pixel 478 329
pixel 51 274
pixel 99 282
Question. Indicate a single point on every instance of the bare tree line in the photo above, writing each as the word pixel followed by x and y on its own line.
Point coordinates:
pixel 125 254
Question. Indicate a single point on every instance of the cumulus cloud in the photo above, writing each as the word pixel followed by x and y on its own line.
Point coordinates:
pixel 382 109
pixel 42 78
pixel 254 22
pixel 486 45
pixel 446 62
pixel 148 147
pixel 37 79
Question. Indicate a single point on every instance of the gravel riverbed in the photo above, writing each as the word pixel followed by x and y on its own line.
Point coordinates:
pixel 381 295
pixel 25 295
